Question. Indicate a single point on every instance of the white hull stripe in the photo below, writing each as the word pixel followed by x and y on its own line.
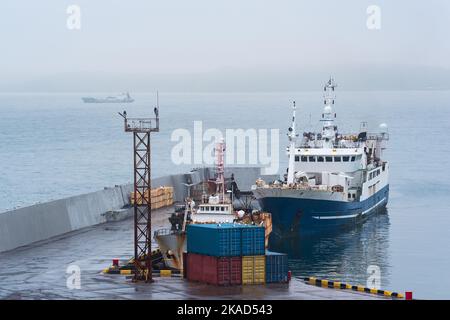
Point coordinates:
pixel 376 205
pixel 335 217
pixel 349 215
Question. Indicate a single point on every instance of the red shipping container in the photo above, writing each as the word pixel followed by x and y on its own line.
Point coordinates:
pixel 235 270
pixel 185 264
pixel 220 271
pixel 216 270
pixel 194 267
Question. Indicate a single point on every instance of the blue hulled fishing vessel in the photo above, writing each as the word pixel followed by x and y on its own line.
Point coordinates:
pixel 333 179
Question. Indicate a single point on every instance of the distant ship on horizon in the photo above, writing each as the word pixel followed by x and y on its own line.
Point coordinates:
pixel 121 98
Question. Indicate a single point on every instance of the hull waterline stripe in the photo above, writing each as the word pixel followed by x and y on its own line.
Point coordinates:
pixel 335 217
pixel 349 215
pixel 376 205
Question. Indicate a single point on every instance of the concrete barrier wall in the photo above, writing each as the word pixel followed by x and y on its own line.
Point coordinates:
pixel 42 221
pixel 86 210
pixel 39 222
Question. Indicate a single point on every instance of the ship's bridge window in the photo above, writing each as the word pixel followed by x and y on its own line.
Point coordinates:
pixel 312 159
pixel 206 208
pixel 222 208
pixel 304 158
pixel 319 159
pixel 345 158
pixel 329 159
pixel 217 208
pixel 297 158
pixel 337 159
pixel 353 158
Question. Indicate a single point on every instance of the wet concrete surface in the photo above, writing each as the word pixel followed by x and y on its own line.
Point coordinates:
pixel 39 271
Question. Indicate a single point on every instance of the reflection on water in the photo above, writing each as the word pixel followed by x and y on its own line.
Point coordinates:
pixel 343 256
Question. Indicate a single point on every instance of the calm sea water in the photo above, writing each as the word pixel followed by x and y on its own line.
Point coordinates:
pixel 53 146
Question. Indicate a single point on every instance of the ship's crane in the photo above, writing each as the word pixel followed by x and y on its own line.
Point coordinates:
pixel 141 129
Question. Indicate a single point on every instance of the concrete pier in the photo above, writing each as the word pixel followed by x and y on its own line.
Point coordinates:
pixel 40 271
pixel 41 244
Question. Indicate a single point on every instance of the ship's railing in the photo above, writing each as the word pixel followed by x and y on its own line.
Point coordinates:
pixel 378 136
pixel 318 145
pixel 165 231
pixel 351 141
pixel 141 124
pixel 335 146
pixel 319 188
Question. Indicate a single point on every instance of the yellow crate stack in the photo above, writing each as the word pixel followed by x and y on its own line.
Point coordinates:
pixel 159 197
pixel 253 269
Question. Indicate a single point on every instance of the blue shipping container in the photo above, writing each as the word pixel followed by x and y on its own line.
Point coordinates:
pixel 219 240
pixel 276 267
pixel 253 241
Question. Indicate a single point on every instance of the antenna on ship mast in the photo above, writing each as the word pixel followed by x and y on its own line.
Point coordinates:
pixel 220 179
pixel 328 129
pixel 292 135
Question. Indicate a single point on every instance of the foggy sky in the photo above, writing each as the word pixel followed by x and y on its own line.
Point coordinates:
pixel 206 45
